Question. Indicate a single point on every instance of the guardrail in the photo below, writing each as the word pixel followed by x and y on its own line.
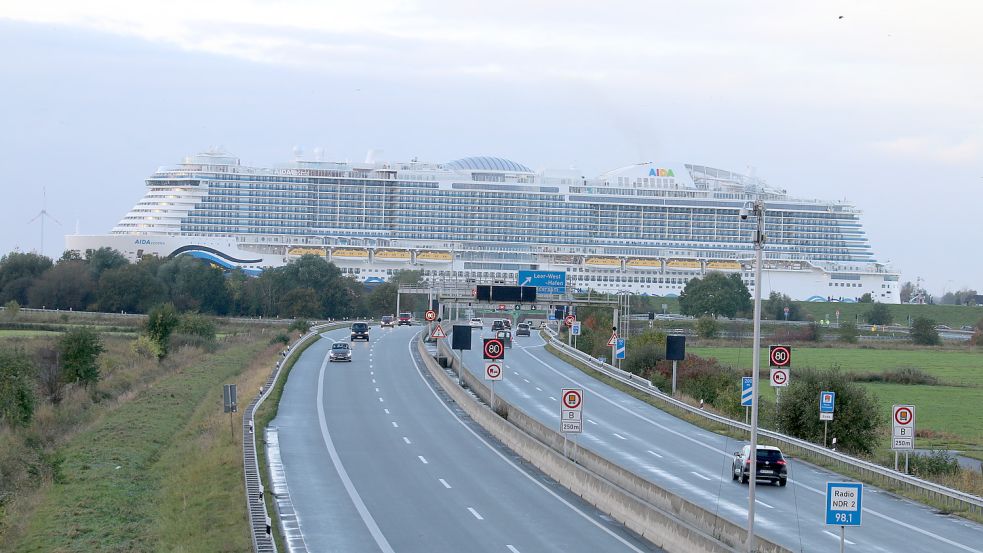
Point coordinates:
pixel 953 500
pixel 259 517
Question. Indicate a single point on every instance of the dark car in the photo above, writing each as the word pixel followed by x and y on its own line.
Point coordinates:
pixel 340 351
pixel 771 465
pixel 522 329
pixel 360 331
pixel 405 319
pixel 498 324
pixel 388 320
pixel 505 336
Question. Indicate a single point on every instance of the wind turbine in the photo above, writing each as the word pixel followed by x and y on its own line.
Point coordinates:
pixel 43 215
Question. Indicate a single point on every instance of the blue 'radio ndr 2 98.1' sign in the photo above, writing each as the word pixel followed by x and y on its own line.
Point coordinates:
pixel 546 282
pixel 844 503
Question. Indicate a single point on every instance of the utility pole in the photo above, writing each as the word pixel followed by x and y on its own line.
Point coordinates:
pixel 758 211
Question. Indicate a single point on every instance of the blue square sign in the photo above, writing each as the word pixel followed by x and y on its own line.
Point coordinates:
pixel 747 383
pixel 844 503
pixel 827 401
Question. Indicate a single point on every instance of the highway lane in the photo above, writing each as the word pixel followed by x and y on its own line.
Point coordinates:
pixel 377 459
pixel 696 464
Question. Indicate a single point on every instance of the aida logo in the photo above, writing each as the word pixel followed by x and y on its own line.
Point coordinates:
pixel 661 173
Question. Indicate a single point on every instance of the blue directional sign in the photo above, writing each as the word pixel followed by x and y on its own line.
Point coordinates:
pixel 827 401
pixel 746 396
pixel 844 503
pixel 619 349
pixel 546 282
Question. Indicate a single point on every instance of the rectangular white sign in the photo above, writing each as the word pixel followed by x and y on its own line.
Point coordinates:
pixel 903 427
pixel 825 416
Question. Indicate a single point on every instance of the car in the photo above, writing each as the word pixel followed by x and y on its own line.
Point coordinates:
pixel 771 465
pixel 508 324
pixel 522 329
pixel 360 331
pixel 498 324
pixel 942 327
pixel 388 320
pixel 505 336
pixel 405 319
pixel 476 323
pixel 340 351
pixel 967 327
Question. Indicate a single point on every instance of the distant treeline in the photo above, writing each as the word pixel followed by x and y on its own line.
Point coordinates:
pixel 104 280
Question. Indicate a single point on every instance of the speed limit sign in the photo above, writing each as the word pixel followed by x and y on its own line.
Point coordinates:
pixel 493 349
pixel 780 356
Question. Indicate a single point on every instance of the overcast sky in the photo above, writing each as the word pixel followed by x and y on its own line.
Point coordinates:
pixel 876 102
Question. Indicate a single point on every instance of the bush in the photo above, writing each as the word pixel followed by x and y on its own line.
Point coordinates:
pixel 11 309
pixel 16 388
pixel 280 338
pixel 848 333
pixel 937 463
pixel 299 325
pixel 923 332
pixel 879 314
pixel 195 324
pixel 903 375
pixel 161 322
pixel 145 347
pixel 80 350
pixel 707 327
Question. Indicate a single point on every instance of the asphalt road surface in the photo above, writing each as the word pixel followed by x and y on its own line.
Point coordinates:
pixel 696 464
pixel 377 458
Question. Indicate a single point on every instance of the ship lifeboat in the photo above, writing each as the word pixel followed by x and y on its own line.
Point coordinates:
pixel 430 256
pixel 644 263
pixel 395 256
pixel 305 250
pixel 603 261
pixel 353 254
pixel 724 265
pixel 683 264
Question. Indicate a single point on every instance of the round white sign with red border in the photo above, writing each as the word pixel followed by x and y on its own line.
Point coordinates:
pixel 573 399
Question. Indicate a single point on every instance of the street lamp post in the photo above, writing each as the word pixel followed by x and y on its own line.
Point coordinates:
pixel 758 211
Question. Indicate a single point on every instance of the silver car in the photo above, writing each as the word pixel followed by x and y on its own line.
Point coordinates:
pixel 340 351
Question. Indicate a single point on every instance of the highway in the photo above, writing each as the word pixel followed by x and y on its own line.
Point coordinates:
pixel 377 458
pixel 696 464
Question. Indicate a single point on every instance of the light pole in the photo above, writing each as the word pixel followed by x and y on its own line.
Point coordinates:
pixel 757 211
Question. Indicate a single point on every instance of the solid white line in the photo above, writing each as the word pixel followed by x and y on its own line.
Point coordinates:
pixel 395 425
pixel 367 519
pixel 705 478
pixel 837 537
pixel 444 482
pixel 407 440
pixel 509 462
pixel 511 549
pixel 654 453
pixel 759 502
pixel 475 513
pixel 619 436
pixel 590 421
pixel 420 457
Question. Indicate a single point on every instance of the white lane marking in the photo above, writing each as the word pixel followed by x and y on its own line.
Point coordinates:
pixel 422 459
pixel 372 373
pixel 728 454
pixel 590 421
pixel 619 436
pixel 526 380
pixel 444 482
pixel 407 440
pixel 553 398
pixel 475 513
pixel 373 381
pixel 654 453
pixel 698 475
pixel 538 389
pixel 759 502
pixel 511 549
pixel 837 537
pixel 395 425
pixel 515 373
pixel 367 519
pixel 380 400
pixel 386 410
pixel 531 478
pixel 377 390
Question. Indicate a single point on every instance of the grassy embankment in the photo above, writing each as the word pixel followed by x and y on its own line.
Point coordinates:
pixel 153 466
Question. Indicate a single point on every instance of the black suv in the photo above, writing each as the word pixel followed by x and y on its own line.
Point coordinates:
pixel 771 465
pixel 498 324
pixel 360 331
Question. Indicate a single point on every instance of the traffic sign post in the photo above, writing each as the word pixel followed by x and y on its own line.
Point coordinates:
pixel 619 349
pixel 569 320
pixel 779 377
pixel 827 403
pixel 438 332
pixel 494 370
pixel 747 394
pixel 430 315
pixel 571 413
pixel 575 328
pixel 903 432
pixel 493 349
pixel 780 356
pixel 844 506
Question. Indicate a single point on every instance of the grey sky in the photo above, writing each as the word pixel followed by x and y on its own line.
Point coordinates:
pixel 882 107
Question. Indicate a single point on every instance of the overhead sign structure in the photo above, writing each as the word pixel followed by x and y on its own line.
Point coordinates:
pixel 780 356
pixel 779 377
pixel 903 423
pixel 571 410
pixel 619 349
pixel 438 332
pixel 430 315
pixel 546 282
pixel 569 320
pixel 575 328
pixel 494 349
pixel 747 397
pixel 844 503
pixel 493 370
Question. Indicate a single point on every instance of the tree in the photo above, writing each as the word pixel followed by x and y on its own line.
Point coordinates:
pixel 849 333
pixel 195 285
pixel 715 294
pixel 161 322
pixel 300 302
pixel 879 314
pixel 67 285
pixel 103 259
pixel 907 290
pixel 866 298
pixel 18 271
pixel 774 307
pixel 79 350
pixel 858 415
pixel 707 327
pixel 16 388
pixel 923 332
pixel 130 288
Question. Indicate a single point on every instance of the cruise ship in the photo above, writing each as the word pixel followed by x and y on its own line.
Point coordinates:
pixel 646 228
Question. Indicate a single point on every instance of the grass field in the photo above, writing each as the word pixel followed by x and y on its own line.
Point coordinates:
pixel 949 410
pixel 160 472
pixel 27 333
